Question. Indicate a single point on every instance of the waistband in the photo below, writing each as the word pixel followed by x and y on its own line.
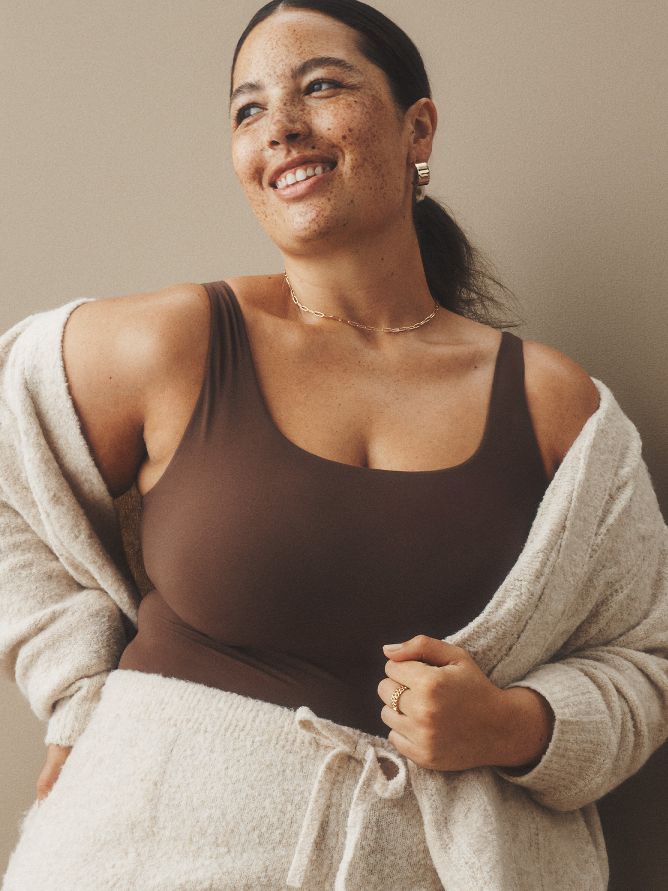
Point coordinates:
pixel 187 706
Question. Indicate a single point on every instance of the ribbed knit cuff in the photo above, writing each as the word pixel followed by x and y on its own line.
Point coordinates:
pixel 580 756
pixel 71 714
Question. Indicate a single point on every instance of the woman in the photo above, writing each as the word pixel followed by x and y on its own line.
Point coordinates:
pixel 257 731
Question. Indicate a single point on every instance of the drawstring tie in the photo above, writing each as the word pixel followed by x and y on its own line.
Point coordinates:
pixel 343 741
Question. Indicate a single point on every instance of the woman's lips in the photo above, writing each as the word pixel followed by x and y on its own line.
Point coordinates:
pixel 296 190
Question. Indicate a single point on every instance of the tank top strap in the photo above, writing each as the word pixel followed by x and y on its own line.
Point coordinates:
pixel 511 432
pixel 230 369
pixel 508 387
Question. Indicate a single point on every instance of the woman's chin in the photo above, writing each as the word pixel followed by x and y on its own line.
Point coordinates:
pixel 304 227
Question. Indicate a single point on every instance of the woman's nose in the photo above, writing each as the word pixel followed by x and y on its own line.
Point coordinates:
pixel 293 136
pixel 287 124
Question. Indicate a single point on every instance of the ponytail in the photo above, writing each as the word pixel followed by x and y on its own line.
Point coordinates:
pixel 457 273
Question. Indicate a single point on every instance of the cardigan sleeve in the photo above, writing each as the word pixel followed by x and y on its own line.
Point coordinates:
pixel 58 639
pixel 608 685
pixel 67 600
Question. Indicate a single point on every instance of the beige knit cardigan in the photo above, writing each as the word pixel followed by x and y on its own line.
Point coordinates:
pixel 582 617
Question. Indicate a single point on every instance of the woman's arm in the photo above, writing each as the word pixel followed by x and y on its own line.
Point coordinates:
pixel 607 690
pixel 60 630
pixel 608 685
pixel 58 638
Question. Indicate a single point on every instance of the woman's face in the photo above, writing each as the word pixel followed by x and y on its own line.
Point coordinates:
pixel 346 115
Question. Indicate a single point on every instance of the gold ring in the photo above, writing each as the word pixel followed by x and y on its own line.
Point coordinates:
pixel 395 697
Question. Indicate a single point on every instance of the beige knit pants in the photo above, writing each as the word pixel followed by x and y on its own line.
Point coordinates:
pixel 176 786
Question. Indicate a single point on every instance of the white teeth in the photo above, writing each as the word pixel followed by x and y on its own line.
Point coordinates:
pixel 300 174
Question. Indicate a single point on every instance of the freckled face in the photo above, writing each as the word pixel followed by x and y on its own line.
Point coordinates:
pixel 355 123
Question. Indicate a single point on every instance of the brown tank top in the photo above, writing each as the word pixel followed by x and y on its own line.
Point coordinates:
pixel 278 574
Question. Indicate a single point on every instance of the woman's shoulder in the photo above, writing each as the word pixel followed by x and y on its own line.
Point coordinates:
pixel 147 311
pixel 561 396
pixel 146 330
pixel 120 353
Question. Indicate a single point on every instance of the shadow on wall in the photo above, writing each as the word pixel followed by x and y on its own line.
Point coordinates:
pixel 635 825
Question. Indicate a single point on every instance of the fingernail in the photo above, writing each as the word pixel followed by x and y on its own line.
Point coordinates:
pixel 391 646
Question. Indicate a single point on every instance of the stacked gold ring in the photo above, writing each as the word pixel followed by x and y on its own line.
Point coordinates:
pixel 395 697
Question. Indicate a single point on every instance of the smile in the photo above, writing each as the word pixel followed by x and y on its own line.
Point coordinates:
pixel 302 179
pixel 299 174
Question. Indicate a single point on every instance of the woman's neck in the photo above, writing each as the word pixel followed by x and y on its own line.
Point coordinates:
pixel 382 284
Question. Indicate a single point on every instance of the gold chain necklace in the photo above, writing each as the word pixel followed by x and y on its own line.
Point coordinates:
pixel 359 324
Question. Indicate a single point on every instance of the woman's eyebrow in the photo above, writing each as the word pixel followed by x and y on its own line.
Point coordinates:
pixel 299 71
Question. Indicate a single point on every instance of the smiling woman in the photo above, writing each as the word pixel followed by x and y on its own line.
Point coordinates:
pixel 342 454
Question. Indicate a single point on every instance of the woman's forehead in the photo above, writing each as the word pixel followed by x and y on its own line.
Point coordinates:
pixel 290 36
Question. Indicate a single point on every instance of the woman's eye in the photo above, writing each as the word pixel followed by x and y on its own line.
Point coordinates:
pixel 239 117
pixel 323 81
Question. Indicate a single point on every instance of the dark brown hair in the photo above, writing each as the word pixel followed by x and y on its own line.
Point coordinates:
pixel 456 271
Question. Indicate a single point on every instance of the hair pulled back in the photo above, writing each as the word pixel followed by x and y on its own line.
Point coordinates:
pixel 456 272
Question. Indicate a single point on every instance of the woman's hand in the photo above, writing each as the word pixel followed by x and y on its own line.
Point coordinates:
pixel 55 758
pixel 452 717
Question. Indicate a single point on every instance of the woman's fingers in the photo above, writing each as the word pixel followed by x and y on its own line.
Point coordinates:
pixel 55 758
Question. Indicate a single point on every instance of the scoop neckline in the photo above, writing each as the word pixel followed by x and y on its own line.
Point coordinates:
pixel 357 468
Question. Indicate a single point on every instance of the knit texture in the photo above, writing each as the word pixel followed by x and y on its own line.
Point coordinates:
pixel 177 785
pixel 582 617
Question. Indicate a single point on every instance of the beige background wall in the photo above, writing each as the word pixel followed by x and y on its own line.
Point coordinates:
pixel 551 153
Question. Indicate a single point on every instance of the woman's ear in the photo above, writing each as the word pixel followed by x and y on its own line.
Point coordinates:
pixel 424 120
